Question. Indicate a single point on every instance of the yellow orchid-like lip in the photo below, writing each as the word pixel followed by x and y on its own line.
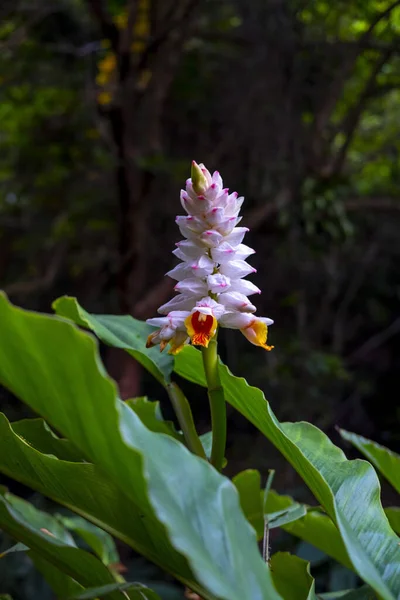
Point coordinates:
pixel 257 334
pixel 201 328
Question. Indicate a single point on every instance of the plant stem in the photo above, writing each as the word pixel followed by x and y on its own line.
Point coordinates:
pixel 266 549
pixel 184 415
pixel 217 403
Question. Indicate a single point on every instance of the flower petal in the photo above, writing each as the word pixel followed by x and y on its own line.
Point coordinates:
pixel 181 271
pixel 179 302
pixel 244 287
pixel 236 301
pixel 257 333
pixel 208 306
pixel 236 269
pixel 236 236
pixel 210 238
pixel 218 283
pixel 192 286
pixel 227 226
pixel 236 320
pixel 158 321
pixel 202 267
pixel 201 328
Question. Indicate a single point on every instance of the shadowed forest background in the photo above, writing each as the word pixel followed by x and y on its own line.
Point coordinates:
pixel 103 106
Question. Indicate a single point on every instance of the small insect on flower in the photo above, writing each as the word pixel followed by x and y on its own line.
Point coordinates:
pixel 211 287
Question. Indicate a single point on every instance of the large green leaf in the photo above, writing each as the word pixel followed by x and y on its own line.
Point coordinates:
pixel 46 536
pixel 315 527
pixel 55 368
pixel 393 514
pixel 292 577
pixel 135 591
pixel 362 593
pixel 83 487
pixel 150 414
pixel 120 332
pixel 248 484
pixel 386 461
pixel 348 490
pixel 62 585
pixel 37 433
pixel 18 547
pixel 100 541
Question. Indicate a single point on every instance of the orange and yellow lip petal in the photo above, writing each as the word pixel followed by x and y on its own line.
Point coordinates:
pixel 150 338
pixel 257 334
pixel 201 328
pixel 177 343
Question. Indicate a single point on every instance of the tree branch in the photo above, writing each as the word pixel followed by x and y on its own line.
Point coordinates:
pixel 334 90
pixel 352 119
pixel 108 28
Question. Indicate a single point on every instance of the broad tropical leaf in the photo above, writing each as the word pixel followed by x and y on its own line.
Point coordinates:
pixel 55 369
pixel 315 527
pixel 100 541
pixel 248 484
pixel 62 585
pixel 393 514
pixel 39 435
pixel 120 332
pixel 46 536
pixel 135 591
pixel 292 577
pixel 386 461
pixel 362 593
pixel 150 414
pixel 348 490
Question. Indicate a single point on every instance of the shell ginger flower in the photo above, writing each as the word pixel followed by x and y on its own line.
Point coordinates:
pixel 211 287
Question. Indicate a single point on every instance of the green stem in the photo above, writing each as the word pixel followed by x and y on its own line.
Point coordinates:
pixel 217 403
pixel 185 418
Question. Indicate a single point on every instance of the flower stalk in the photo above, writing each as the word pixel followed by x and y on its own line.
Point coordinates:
pixel 184 415
pixel 217 403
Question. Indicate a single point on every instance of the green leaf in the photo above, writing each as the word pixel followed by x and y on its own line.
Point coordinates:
pixel 46 536
pixel 348 490
pixel 363 593
pixel 120 332
pixel 100 541
pixel 248 484
pixel 393 514
pixel 386 461
pixel 137 591
pixel 150 414
pixel 55 368
pixel 84 488
pixel 315 527
pixel 37 433
pixel 62 585
pixel 292 577
pixel 16 548
pixel 206 440
pixel 286 515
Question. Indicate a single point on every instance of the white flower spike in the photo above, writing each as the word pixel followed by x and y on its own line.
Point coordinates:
pixel 210 285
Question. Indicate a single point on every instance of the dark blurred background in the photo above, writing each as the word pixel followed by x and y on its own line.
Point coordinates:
pixel 103 105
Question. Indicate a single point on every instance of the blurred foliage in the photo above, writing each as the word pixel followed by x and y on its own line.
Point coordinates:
pixel 296 103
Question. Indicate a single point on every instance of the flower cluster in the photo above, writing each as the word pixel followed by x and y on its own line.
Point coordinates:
pixel 211 287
